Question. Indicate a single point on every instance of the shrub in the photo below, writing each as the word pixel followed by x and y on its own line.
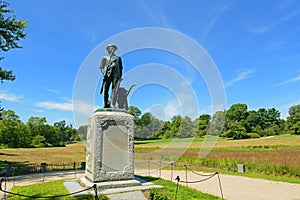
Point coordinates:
pixel 254 135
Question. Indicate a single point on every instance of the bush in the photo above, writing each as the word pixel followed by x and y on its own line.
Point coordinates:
pixel 157 196
pixel 254 135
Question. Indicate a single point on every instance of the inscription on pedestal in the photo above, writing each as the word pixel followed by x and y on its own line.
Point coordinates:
pixel 115 148
pixel 110 141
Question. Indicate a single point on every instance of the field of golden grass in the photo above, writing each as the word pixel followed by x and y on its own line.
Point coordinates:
pixel 76 152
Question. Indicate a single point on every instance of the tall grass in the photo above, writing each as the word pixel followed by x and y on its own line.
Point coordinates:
pixel 269 160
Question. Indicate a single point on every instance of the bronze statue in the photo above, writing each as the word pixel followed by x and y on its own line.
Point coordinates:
pixel 111 67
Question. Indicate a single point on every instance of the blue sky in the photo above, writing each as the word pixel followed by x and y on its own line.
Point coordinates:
pixel 254 45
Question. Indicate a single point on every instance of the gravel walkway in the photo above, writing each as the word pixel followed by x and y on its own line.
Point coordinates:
pixel 234 187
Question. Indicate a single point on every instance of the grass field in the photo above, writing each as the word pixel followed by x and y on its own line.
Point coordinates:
pixel 275 156
pixel 69 154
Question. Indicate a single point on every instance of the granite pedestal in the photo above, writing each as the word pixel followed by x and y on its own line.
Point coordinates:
pixel 109 149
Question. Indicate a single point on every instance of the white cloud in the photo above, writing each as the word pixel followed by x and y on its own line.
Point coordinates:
pixel 292 57
pixel 83 108
pixel 295 79
pixel 266 28
pixel 154 12
pixel 240 77
pixel 52 91
pixel 171 109
pixel 220 9
pixel 4 95
pixel 65 106
pixel 276 44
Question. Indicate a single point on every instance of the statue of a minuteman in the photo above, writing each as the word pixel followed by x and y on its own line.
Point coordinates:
pixel 111 67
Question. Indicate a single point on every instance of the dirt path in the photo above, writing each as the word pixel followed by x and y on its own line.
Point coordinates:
pixel 234 187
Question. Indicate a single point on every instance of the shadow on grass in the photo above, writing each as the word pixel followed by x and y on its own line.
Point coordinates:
pixel 7 154
pixel 147 178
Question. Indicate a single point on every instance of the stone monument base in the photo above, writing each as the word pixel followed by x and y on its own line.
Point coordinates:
pixel 109 184
pixel 110 147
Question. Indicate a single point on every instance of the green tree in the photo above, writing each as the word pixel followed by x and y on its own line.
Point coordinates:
pixel 36 125
pixel 71 134
pixel 148 126
pixel 135 111
pixel 145 119
pixel 252 122
pixel 175 125
pixel 42 134
pixel 237 112
pixel 38 141
pixel 201 125
pixel 10 129
pixel 186 128
pixel 236 131
pixel 82 131
pixel 293 120
pixel 217 123
pixel 61 127
pixel 11 31
pixel 51 135
pixel 267 118
pixel 165 131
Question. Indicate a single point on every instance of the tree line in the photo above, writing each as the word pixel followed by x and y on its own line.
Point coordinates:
pixel 236 122
pixel 34 133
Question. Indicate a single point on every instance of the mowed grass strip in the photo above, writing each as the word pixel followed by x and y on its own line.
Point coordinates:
pixel 218 142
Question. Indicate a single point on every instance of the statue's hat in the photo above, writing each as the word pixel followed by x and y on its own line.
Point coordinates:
pixel 112 45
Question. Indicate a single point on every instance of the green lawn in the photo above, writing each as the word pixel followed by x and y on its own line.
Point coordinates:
pixel 169 191
pixel 54 188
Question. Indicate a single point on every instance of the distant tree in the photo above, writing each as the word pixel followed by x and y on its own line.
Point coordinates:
pixel 42 134
pixel 293 120
pixel 237 112
pixel 82 131
pixel 236 131
pixel 145 119
pixel 36 125
pixel 201 125
pixel 10 129
pixel 217 123
pixel 71 134
pixel 267 118
pixel 148 126
pixel 61 127
pixel 175 125
pixel 51 135
pixel 135 111
pixel 165 131
pixel 251 122
pixel 186 128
